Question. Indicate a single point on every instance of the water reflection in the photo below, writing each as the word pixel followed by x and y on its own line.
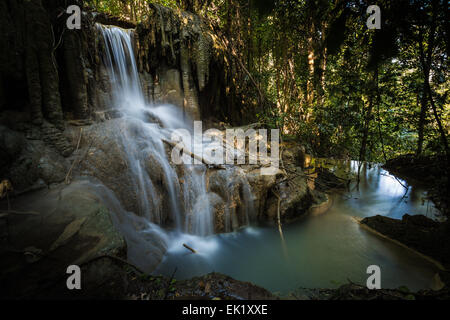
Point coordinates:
pixel 324 250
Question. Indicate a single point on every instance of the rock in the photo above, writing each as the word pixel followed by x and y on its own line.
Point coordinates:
pixel 181 63
pixel 25 161
pixel 293 154
pixel 73 226
pixel 261 185
pixel 11 144
pixel 52 168
pixel 296 198
pixel 236 205
pixel 326 180
pixel 428 237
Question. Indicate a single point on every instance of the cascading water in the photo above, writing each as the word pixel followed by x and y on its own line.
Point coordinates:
pixel 180 196
pixel 161 196
pixel 141 140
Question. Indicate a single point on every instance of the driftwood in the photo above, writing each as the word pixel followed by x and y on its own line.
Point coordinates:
pixel 193 155
pixel 189 248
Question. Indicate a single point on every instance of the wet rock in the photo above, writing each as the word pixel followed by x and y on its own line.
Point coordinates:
pixel 428 171
pixel 237 206
pixel 104 153
pixel 261 186
pixel 102 156
pixel 218 206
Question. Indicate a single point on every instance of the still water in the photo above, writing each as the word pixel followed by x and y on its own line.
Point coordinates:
pixel 322 250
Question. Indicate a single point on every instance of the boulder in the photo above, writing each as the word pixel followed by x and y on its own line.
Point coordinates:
pixel 59 227
pixel 24 161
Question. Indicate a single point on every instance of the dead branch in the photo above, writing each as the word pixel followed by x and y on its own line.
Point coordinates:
pixel 193 155
pixel 8 212
pixel 189 248
pixel 117 259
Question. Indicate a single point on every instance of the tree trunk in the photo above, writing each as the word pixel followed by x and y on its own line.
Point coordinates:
pixel 422 117
pixel 426 68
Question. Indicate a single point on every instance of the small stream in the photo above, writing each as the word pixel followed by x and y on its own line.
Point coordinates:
pixel 323 249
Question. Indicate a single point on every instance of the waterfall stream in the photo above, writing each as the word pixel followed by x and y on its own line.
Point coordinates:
pixel 167 195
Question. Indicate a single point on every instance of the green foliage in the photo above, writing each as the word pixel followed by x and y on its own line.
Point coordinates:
pixel 132 10
pixel 326 78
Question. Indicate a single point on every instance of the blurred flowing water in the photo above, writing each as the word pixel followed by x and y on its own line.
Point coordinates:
pixel 322 250
pixel 180 201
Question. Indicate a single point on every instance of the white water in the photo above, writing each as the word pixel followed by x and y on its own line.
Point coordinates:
pixel 185 206
pixel 322 251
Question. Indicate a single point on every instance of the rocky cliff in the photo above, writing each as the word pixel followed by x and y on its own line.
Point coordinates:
pixel 52 77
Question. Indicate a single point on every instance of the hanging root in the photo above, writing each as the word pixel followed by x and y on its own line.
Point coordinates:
pixel 280 230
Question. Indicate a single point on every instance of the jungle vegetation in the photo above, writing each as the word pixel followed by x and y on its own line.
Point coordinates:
pixel 314 69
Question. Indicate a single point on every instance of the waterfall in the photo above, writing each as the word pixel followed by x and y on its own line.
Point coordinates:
pixel 145 127
pixel 169 196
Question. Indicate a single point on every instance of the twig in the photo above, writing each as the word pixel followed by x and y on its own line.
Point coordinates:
pixel 189 248
pixel 170 282
pixel 117 259
pixel 398 180
pixel 33 213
